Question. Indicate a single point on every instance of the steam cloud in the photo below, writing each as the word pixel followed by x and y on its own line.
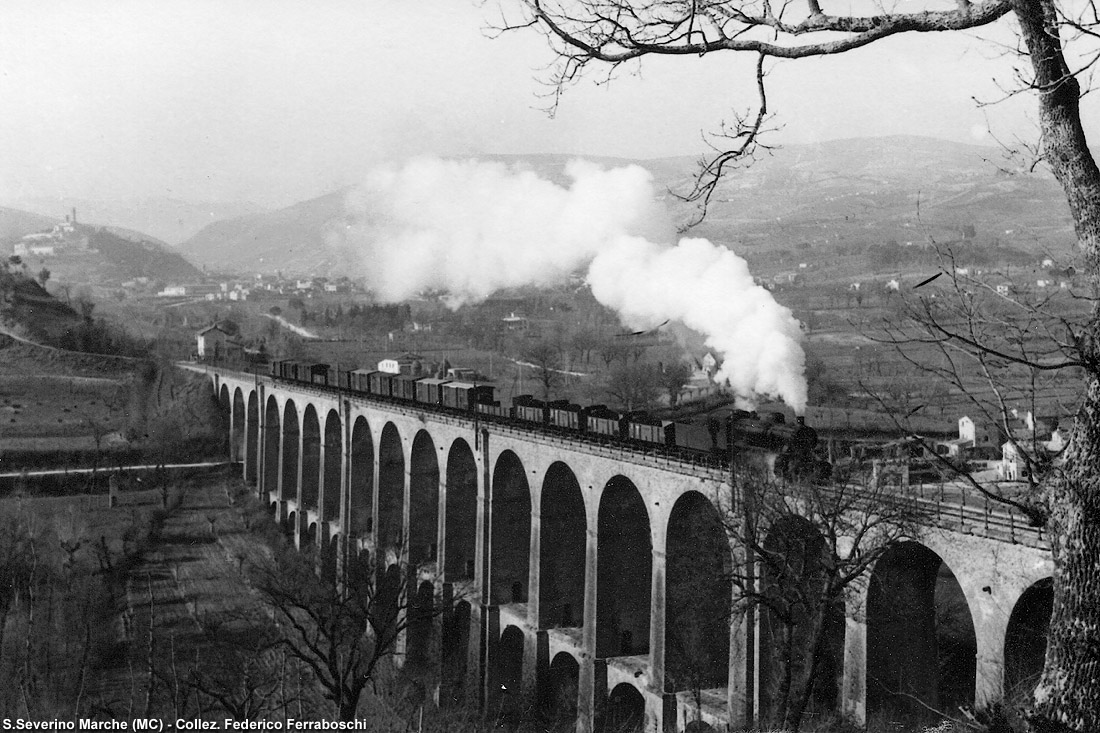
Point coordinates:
pixel 471 228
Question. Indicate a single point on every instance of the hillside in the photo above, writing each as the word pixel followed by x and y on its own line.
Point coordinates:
pixel 169 220
pixel 26 308
pixel 15 223
pixel 844 195
pixel 837 197
pixel 290 240
pixel 108 256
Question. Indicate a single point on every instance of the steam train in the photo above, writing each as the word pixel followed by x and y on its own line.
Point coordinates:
pixel 787 448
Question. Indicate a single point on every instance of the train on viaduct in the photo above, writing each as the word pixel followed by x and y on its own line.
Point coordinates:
pixel 562 560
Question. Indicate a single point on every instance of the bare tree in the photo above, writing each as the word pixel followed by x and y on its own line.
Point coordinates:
pixel 800 547
pixel 239 672
pixel 545 359
pixel 583 343
pixel 613 350
pixel 673 377
pixel 634 386
pixel 999 358
pixel 342 633
pixel 585 33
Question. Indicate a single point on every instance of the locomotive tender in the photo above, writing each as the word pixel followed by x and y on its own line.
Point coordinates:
pixel 787 447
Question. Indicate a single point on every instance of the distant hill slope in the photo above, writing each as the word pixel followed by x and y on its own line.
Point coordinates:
pixel 127 255
pixel 108 256
pixel 15 223
pixel 290 240
pixel 169 220
pixel 844 193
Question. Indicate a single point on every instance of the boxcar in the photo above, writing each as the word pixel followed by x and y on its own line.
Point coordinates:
pixel 381 383
pixel 466 395
pixel 602 421
pixel 404 386
pixel 359 380
pixel 529 409
pixel 707 435
pixel 430 390
pixel 318 373
pixel 646 429
pixel 494 409
pixel 568 416
pixel 289 369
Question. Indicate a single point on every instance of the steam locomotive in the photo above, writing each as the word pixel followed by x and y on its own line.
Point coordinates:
pixel 787 448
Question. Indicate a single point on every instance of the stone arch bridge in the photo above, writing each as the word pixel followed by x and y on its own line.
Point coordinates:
pixel 565 556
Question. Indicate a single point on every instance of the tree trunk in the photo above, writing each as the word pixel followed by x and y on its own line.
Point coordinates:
pixel 1067 697
pixel 802 683
pixel 347 706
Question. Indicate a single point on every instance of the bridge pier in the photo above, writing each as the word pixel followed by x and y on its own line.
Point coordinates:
pixel 244 452
pixel 739 703
pixel 853 687
pixel 657 619
pixel 586 679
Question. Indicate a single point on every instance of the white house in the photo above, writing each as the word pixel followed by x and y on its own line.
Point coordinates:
pixel 211 342
pixel 403 364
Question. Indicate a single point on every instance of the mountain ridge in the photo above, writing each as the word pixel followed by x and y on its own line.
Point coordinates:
pixel 867 189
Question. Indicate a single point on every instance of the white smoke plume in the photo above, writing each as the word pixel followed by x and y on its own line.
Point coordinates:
pixel 471 228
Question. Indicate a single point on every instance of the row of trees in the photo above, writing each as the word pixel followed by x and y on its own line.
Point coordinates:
pixel 632 381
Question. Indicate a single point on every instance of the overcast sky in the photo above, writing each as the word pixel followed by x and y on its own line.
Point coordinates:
pixel 278 100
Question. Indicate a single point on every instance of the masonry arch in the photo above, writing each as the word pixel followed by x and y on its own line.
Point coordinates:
pixel 225 415
pixel 333 457
pixel 1026 640
pixel 698 588
pixel 290 526
pixel 272 438
pixel 360 574
pixel 562 692
pixel 385 607
pixel 511 531
pixel 361 494
pixel 329 567
pixel 420 630
pixel 252 438
pixel 311 459
pixel 698 726
pixel 423 500
pixel 236 450
pixel 624 569
pixel 920 636
pixel 793 559
pixel 624 711
pixel 563 533
pixel 309 537
pixel 391 492
pixel 291 438
pixel 509 669
pixel 454 649
pixel 461 512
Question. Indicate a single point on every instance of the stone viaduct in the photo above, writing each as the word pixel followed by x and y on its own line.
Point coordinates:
pixel 557 552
